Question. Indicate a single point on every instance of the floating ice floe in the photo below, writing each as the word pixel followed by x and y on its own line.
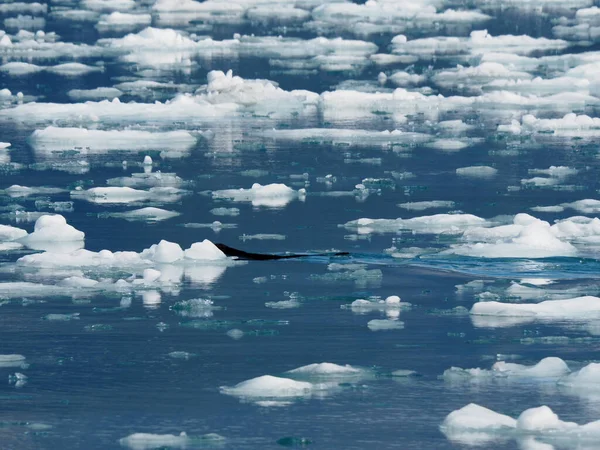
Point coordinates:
pixel 527 237
pixel 550 367
pixel 473 78
pixel 391 306
pixel 276 195
pixel 195 307
pixel 51 232
pixel 150 441
pixel 479 42
pixel 328 371
pixel 477 171
pixel 421 206
pixel 474 424
pixel 12 361
pixel 539 86
pixel 99 93
pixel 570 126
pixel 385 324
pixel 268 386
pixel 16 191
pixel 495 314
pixel 88 141
pixel 435 224
pixel 148 214
pixel 122 21
pixel 384 17
pixel 348 136
pixel 114 194
pixel 147 180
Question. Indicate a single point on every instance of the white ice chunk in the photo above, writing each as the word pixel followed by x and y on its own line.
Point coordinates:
pixel 274 195
pixel 51 229
pixel 435 224
pixel 148 441
pixel 420 206
pixel 9 233
pixel 477 171
pixel 87 140
pixel 579 308
pixel 269 386
pixel 149 214
pixel 73 69
pixel 204 250
pixel 550 367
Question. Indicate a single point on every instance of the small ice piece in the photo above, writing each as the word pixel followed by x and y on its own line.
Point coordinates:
pixel 181 355
pixel 284 304
pixel 151 299
pixel 147 160
pixel 148 441
pixel 420 206
pixel 62 317
pixel 477 171
pixel 225 211
pixel 195 307
pixel 324 370
pixel 385 324
pixel 235 334
pixel 269 386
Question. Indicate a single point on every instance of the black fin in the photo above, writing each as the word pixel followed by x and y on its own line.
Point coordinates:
pixel 240 254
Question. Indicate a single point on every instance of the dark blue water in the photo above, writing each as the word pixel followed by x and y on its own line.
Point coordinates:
pixel 107 372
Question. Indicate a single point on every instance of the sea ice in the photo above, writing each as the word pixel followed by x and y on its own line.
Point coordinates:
pixel 421 206
pixel 473 422
pixel 550 367
pixel 51 229
pixel 114 194
pixel 578 309
pixel 97 141
pixel 385 324
pixel 269 386
pixel 148 214
pixel 435 224
pixel 99 93
pixel 148 441
pixel 477 171
pixel 276 195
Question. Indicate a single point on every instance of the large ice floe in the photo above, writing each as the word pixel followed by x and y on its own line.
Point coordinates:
pixel 475 424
